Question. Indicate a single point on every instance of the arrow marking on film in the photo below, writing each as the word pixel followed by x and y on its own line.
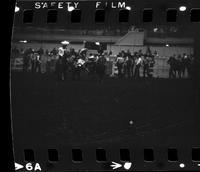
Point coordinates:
pixel 18 166
pixel 115 165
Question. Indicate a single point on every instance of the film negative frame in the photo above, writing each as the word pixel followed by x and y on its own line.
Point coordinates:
pixel 153 136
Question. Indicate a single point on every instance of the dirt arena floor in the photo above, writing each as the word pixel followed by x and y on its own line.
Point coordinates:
pixel 116 113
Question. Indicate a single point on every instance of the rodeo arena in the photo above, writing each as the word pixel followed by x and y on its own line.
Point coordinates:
pixel 128 57
pixel 103 85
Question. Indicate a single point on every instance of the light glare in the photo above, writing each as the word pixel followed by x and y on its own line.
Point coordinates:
pixel 182 165
pixel 97 43
pixel 127 165
pixel 128 8
pixel 182 8
pixel 17 9
pixel 155 29
pixel 71 9
pixel 23 41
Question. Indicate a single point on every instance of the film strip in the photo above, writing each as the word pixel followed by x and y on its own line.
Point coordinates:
pixel 106 85
pixel 147 15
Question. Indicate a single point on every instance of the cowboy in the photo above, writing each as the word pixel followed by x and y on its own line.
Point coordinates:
pixel 138 63
pixel 38 63
pixel 63 55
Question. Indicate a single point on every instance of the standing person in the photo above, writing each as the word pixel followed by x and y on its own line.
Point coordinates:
pixel 63 54
pixel 183 64
pixel 145 65
pixel 124 66
pixel 179 65
pixel 133 65
pixel 138 63
pixel 171 61
pixel 26 59
pixel 129 64
pixel 119 64
pixel 186 62
pixel 101 68
pixel 38 63
pixel 33 61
